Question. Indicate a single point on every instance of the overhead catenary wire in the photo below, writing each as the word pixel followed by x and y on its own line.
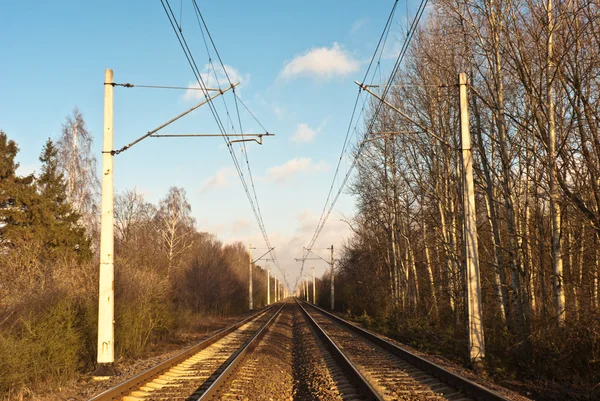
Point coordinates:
pixel 199 78
pixel 330 205
pixel 249 190
pixel 375 115
pixel 245 153
pixel 378 50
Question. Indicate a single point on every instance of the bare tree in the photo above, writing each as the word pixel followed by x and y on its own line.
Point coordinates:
pixel 131 210
pixel 78 165
pixel 175 224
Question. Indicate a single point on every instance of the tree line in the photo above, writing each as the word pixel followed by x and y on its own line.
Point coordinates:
pixel 168 274
pixel 533 70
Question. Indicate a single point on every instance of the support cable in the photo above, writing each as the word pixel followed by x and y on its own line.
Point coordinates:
pixel 327 210
pixel 250 191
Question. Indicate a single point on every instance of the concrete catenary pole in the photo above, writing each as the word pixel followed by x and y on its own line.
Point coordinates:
pixel 275 289
pixel 268 287
pixel 250 277
pixel 314 290
pixel 332 282
pixel 106 298
pixel 306 289
pixel 474 308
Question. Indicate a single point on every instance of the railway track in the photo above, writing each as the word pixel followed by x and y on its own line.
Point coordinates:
pixel 392 372
pixel 187 375
pixel 297 351
pixel 290 363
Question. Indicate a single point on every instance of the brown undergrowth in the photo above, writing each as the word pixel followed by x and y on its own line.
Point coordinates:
pixel 560 365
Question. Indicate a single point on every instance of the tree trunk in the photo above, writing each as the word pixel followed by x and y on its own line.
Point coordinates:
pixel 557 260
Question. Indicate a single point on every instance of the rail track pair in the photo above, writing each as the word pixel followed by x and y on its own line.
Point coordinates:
pixel 360 364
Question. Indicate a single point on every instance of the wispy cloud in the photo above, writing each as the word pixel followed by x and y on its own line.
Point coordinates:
pixel 279 112
pixel 359 23
pixel 287 170
pixel 305 134
pixel 219 180
pixel 241 226
pixel 289 244
pixel 215 79
pixel 321 62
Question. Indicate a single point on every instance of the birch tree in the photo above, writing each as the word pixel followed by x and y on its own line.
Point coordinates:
pixel 78 165
pixel 176 225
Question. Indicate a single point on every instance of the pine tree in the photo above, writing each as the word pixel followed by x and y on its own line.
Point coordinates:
pixel 55 220
pixel 17 196
pixel 38 210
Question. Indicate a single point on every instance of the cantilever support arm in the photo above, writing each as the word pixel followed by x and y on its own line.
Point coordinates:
pixel 149 133
pixel 259 140
pixel 259 136
pixel 412 120
pixel 326 261
pixel 269 251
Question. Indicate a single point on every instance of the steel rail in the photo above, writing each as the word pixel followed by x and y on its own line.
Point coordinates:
pixel 124 388
pixel 469 387
pixel 342 360
pixel 222 374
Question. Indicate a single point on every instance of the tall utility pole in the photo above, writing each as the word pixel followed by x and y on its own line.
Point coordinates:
pixel 474 309
pixel 332 282
pixel 250 276
pixel 268 287
pixel 275 288
pixel 106 356
pixel 314 290
pixel 306 290
pixel 106 298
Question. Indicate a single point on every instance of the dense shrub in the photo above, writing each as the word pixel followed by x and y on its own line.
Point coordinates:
pixel 166 274
pixel 143 310
pixel 43 344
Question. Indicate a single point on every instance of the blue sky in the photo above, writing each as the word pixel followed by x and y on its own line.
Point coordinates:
pixel 296 63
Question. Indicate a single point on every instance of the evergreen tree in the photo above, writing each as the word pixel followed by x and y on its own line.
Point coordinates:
pixel 57 223
pixel 17 195
pixel 38 210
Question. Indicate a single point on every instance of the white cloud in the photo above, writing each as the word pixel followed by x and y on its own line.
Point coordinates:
pixel 212 80
pixel 279 112
pixel 305 134
pixel 241 226
pixel 289 246
pixel 203 224
pixel 321 62
pixel 219 180
pixel 294 166
pixel 359 23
